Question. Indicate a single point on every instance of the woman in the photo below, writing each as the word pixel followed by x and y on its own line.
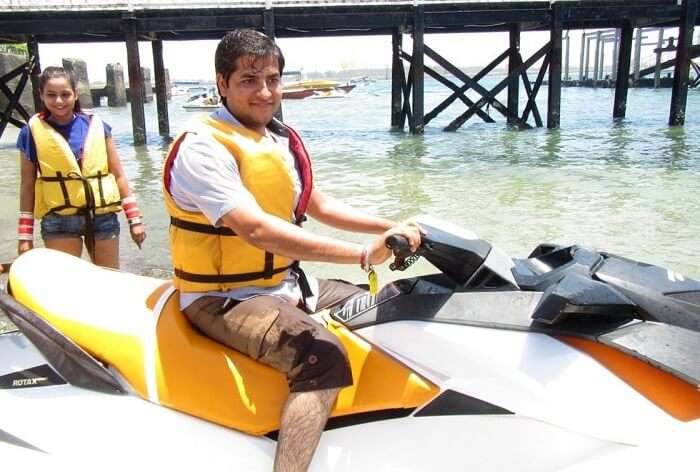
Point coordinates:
pixel 71 178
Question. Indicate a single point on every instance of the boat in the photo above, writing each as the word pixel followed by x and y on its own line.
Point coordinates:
pixel 329 94
pixel 314 88
pixel 207 100
pixel 296 93
pixel 570 359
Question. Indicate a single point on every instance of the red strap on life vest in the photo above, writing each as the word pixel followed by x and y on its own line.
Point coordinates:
pixel 296 146
pixel 170 160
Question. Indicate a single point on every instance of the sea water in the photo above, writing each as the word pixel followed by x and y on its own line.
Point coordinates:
pixel 630 187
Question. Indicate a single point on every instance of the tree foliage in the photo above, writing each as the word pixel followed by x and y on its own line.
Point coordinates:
pixel 20 49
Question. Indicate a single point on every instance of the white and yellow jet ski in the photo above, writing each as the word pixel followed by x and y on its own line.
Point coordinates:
pixel 568 360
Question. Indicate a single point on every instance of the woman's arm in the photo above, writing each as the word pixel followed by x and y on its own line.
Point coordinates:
pixel 26 195
pixel 337 214
pixel 136 228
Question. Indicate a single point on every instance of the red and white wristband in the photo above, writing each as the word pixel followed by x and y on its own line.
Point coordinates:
pixel 131 210
pixel 364 259
pixel 25 226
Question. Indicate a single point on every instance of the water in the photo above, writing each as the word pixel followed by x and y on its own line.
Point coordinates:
pixel 631 188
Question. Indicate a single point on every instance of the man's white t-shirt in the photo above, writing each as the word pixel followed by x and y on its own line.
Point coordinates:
pixel 205 178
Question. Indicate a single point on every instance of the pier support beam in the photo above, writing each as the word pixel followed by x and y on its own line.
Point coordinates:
pixel 396 79
pixel 513 63
pixel 418 70
pixel 623 71
pixel 161 88
pixel 554 86
pixel 136 92
pixel 679 94
pixel 33 49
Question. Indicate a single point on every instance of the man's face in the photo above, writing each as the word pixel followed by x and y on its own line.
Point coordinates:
pixel 253 92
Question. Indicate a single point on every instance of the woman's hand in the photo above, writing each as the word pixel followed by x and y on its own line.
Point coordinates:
pixel 138 233
pixel 378 252
pixel 24 246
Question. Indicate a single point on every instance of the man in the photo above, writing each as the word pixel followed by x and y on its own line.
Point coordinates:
pixel 237 189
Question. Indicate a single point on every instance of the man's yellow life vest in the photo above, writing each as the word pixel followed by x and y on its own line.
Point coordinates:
pixel 64 187
pixel 207 258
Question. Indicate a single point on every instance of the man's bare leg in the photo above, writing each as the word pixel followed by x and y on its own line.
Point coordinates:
pixel 303 418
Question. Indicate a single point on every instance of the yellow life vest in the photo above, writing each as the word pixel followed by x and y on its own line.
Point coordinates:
pixel 64 187
pixel 206 258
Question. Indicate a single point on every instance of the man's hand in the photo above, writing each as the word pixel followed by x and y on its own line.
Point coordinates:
pixel 378 252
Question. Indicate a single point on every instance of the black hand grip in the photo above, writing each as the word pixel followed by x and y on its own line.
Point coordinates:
pixel 399 244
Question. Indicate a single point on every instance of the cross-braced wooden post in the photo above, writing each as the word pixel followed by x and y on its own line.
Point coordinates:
pixel 23 70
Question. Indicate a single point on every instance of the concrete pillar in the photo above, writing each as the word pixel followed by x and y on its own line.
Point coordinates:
pixel 116 90
pixel 79 70
pixel 147 85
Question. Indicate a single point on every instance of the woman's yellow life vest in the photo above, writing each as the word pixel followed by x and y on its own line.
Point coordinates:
pixel 207 258
pixel 63 186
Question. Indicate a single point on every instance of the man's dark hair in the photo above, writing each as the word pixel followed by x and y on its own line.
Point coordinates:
pixel 241 43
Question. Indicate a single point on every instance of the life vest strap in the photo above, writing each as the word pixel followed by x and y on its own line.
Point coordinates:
pixel 201 228
pixel 226 278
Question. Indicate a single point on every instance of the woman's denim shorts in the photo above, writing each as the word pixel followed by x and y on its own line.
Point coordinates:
pixel 55 226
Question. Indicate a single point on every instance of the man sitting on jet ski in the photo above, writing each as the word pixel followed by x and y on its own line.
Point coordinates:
pixel 237 187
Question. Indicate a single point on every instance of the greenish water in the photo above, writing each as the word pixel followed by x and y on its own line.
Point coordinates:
pixel 631 188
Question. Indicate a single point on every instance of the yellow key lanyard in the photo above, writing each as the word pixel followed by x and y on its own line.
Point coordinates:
pixel 372 278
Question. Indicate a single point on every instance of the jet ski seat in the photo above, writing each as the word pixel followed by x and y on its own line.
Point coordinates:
pixel 134 325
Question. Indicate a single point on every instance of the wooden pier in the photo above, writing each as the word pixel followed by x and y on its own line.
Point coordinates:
pixel 133 21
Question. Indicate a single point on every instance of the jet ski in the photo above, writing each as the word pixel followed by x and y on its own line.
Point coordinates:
pixel 570 359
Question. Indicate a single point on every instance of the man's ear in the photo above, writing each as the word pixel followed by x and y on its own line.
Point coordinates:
pixel 221 84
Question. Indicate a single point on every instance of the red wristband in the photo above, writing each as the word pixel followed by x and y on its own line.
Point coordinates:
pixel 25 226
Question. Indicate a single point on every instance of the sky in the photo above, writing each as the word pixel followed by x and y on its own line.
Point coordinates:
pixel 195 59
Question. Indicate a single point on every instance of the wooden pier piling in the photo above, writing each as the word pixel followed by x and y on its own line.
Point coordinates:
pixel 33 50
pixel 161 88
pixel 554 85
pixel 513 63
pixel 623 71
pixel 136 93
pixel 396 79
pixel 418 72
pixel 679 93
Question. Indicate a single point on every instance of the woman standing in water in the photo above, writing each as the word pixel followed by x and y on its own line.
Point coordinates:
pixel 71 178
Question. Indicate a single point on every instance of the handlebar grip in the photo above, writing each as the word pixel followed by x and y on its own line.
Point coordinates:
pixel 398 244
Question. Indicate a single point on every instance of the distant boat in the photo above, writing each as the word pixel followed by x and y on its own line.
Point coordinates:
pixel 207 100
pixel 313 88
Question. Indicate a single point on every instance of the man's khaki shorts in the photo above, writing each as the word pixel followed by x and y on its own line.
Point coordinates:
pixel 280 335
